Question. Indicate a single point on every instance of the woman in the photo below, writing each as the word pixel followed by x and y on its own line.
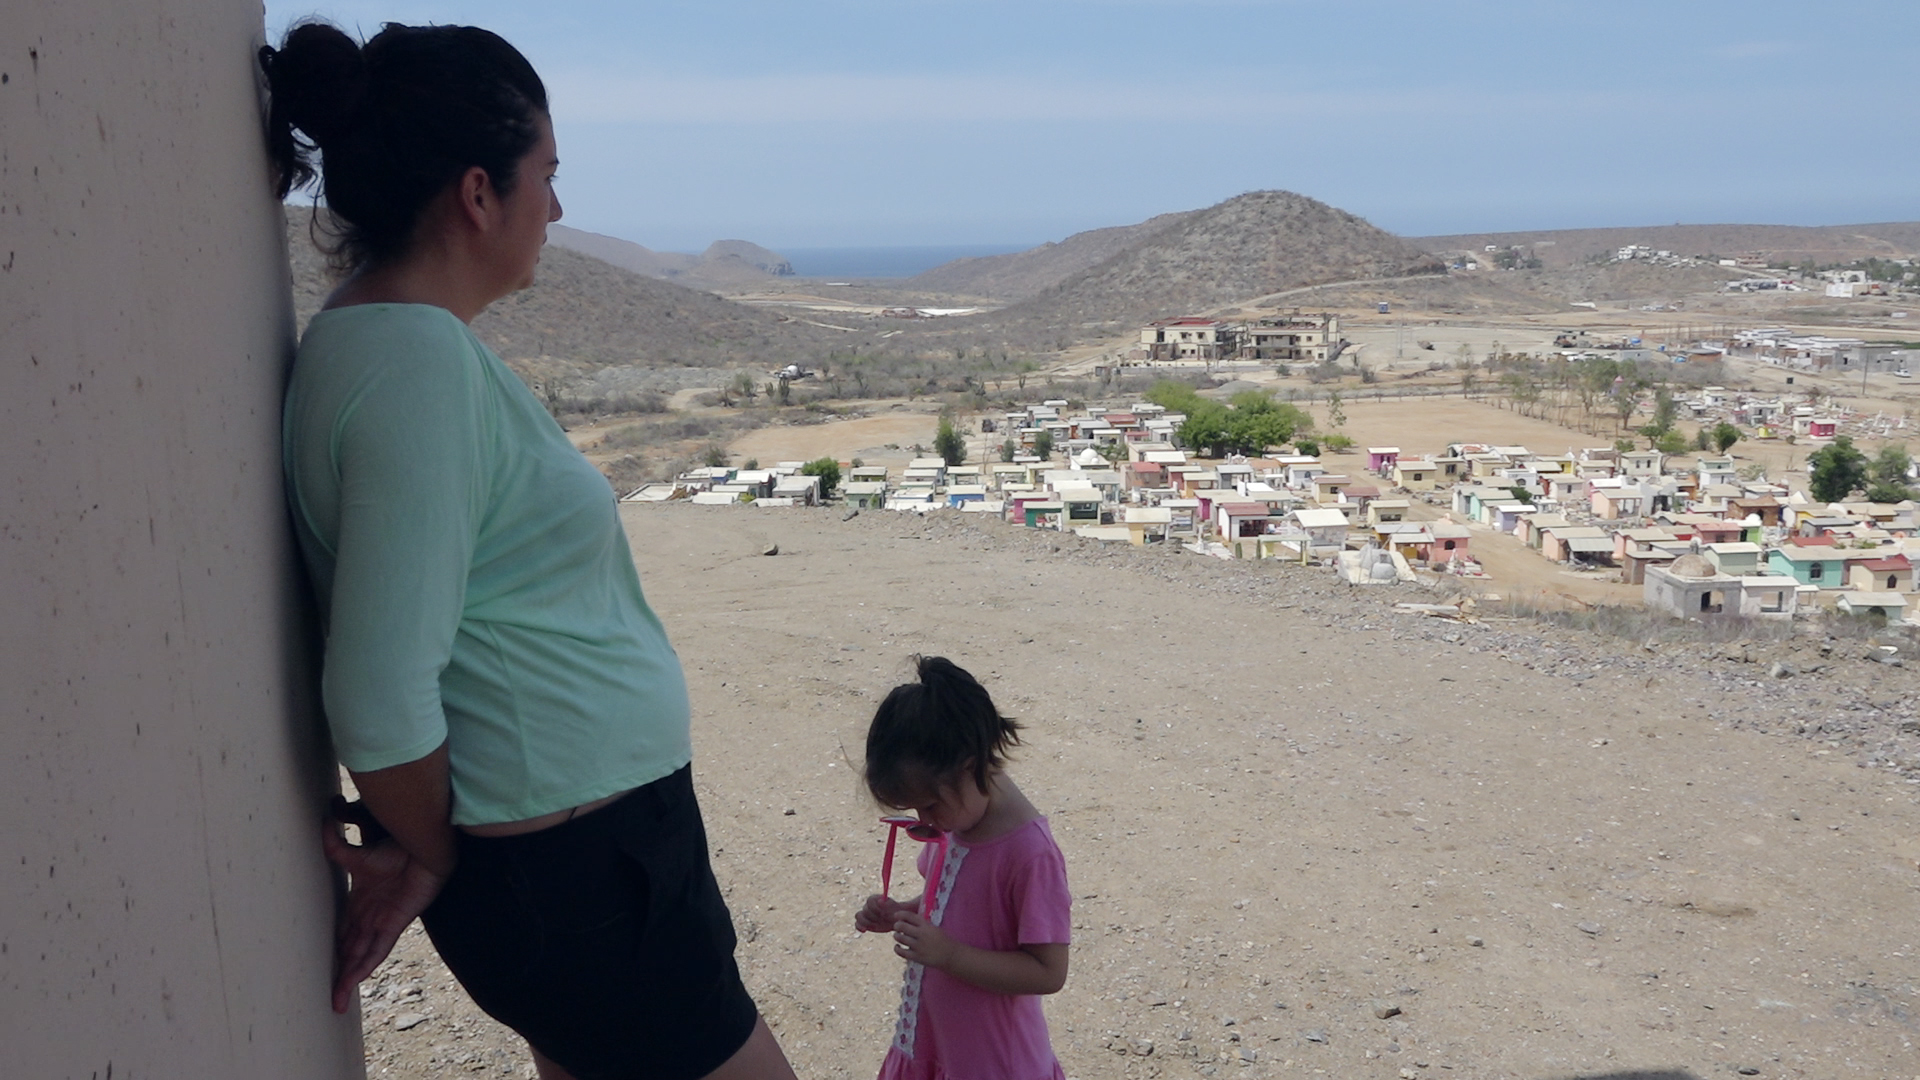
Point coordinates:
pixel 509 706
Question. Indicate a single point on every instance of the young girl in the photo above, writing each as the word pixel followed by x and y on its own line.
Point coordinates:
pixel 999 927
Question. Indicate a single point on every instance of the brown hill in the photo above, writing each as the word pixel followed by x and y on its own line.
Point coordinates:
pixel 587 311
pixel 1241 250
pixel 624 254
pixel 726 264
pixel 1779 244
pixel 748 254
pixel 1021 274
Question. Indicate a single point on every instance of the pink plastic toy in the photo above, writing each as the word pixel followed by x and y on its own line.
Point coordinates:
pixel 926 834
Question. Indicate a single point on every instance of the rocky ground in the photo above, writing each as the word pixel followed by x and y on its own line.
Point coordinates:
pixel 1309 835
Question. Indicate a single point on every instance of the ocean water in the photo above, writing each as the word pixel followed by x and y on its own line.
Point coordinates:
pixel 885 262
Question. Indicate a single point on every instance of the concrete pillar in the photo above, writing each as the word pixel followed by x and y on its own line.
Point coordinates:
pixel 164 911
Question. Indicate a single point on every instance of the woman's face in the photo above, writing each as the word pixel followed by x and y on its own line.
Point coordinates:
pixel 532 206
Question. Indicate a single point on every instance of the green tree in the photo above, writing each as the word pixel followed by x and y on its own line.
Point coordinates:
pixel 1252 433
pixel 1308 447
pixel 1892 464
pixel 1521 493
pixel 1255 421
pixel 1339 444
pixel 714 456
pixel 1670 443
pixel 949 443
pixel 1836 470
pixel 1252 401
pixel 1594 381
pixel 1248 424
pixel 1626 392
pixel 1663 411
pixel 828 470
pixel 1043 445
pixel 1008 449
pixel 1890 469
pixel 1174 396
pixel 1205 428
pixel 1336 415
pixel 1724 436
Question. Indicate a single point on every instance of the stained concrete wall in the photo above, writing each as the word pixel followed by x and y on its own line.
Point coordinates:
pixel 163 909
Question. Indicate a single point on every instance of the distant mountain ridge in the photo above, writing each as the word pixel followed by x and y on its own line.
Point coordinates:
pixel 1249 246
pixel 1791 244
pixel 1021 274
pixel 725 263
pixel 583 310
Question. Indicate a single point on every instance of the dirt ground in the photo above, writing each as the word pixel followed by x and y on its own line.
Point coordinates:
pixel 866 438
pixel 1308 836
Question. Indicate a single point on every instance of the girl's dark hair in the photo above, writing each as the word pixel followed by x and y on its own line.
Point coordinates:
pixel 929 731
pixel 394 122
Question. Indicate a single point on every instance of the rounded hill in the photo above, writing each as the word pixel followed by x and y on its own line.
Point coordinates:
pixel 1250 246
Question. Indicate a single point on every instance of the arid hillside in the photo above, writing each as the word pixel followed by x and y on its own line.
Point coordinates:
pixel 1790 244
pixel 1021 274
pixel 1310 836
pixel 1240 250
pixel 584 310
pixel 726 264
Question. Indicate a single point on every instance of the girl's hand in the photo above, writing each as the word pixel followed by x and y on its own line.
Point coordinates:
pixel 878 914
pixel 916 939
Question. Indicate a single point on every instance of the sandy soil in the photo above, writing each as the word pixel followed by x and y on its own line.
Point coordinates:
pixel 1289 812
pixel 866 438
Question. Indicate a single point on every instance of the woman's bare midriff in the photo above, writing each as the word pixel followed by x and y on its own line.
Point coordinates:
pixel 535 824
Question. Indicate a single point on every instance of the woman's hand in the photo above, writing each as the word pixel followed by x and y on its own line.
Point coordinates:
pixel 387 890
pixel 918 940
pixel 879 914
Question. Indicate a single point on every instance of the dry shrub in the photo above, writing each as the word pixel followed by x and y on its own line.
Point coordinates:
pixel 1633 622
pixel 626 472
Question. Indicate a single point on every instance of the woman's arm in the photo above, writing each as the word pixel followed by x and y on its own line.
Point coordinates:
pixel 1030 969
pixel 393 879
pixel 389 439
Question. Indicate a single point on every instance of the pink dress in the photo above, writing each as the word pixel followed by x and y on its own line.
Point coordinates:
pixel 1000 894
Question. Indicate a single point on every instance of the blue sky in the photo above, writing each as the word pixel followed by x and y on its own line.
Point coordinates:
pixel 797 124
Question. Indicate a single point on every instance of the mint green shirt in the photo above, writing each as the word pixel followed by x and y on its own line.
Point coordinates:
pixel 475 580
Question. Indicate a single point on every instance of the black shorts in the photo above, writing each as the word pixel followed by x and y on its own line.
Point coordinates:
pixel 603 941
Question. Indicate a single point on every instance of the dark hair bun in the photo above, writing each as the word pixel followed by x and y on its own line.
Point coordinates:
pixel 319 79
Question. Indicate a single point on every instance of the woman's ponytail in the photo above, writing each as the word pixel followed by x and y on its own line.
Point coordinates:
pixel 317 80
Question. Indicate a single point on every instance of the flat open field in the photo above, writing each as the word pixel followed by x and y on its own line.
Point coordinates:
pixel 1288 810
pixel 866 438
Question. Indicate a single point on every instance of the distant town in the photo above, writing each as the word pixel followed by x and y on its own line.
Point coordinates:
pixel 1702 537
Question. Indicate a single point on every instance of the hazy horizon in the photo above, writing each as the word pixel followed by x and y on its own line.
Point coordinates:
pixel 853 123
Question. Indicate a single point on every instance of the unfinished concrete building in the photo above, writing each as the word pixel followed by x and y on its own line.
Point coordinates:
pixel 1693 588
